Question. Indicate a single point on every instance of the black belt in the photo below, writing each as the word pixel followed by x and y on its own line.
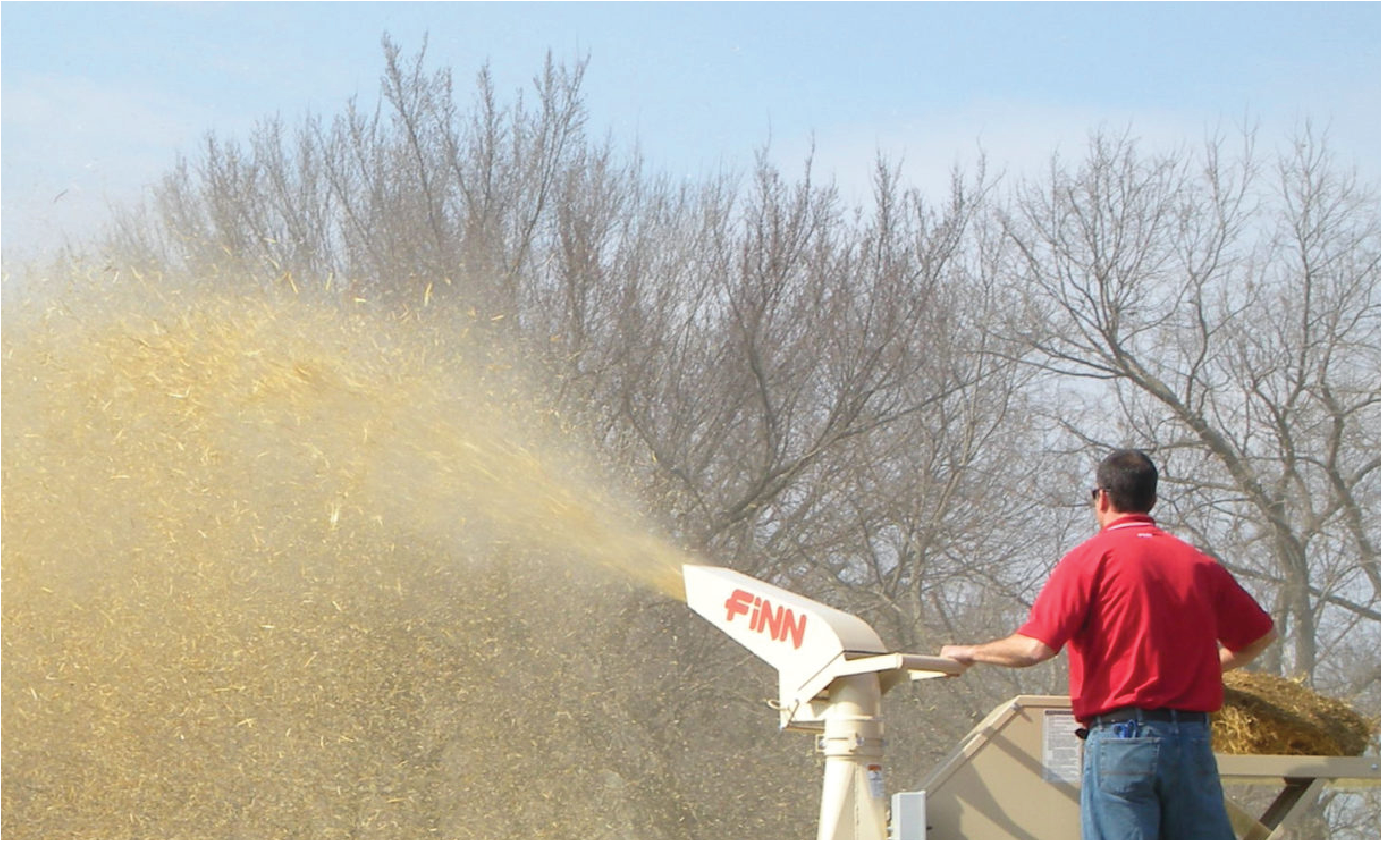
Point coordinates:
pixel 1136 714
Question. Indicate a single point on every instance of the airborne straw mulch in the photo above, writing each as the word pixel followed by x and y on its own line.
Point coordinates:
pixel 273 570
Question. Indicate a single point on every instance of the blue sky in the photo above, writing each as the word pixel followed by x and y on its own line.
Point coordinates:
pixel 96 99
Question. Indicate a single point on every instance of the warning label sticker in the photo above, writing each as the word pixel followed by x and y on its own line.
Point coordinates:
pixel 875 775
pixel 1061 749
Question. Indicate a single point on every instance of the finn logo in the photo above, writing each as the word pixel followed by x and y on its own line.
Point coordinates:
pixel 778 622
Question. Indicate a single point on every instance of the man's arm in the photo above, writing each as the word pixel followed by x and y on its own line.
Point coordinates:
pixel 1015 652
pixel 1245 655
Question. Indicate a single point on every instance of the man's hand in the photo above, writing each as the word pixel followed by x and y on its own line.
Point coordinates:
pixel 963 654
pixel 1233 659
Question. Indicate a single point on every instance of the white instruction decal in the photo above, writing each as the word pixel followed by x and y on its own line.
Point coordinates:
pixel 1061 749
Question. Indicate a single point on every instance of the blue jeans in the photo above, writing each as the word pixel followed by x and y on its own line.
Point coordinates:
pixel 1161 782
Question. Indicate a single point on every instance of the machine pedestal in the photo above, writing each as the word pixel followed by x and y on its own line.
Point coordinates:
pixel 853 801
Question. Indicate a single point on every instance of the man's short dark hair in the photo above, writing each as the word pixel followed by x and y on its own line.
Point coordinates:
pixel 1130 479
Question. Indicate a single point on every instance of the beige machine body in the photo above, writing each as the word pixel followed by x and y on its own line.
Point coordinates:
pixel 1017 775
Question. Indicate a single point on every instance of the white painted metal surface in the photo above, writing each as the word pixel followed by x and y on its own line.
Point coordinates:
pixel 832 672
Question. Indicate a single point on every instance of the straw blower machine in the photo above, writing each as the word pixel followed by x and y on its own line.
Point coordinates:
pixel 1016 775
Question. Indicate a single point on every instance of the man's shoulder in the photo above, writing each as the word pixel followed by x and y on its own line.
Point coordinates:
pixel 1087 550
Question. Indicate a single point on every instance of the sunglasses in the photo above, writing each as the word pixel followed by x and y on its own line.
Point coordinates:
pixel 1094 493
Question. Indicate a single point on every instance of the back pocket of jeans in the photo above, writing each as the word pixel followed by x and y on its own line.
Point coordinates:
pixel 1125 765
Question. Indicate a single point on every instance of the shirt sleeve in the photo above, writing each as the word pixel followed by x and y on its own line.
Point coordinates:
pixel 1241 620
pixel 1063 603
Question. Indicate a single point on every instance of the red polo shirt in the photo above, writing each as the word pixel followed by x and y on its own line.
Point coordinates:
pixel 1144 613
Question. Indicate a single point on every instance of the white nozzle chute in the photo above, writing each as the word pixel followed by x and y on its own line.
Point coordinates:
pixel 809 643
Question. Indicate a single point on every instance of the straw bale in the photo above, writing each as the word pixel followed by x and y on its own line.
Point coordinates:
pixel 1265 714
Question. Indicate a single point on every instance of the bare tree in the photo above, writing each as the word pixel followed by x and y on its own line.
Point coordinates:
pixel 1235 332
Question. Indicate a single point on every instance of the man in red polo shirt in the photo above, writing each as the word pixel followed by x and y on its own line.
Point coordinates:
pixel 1152 624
